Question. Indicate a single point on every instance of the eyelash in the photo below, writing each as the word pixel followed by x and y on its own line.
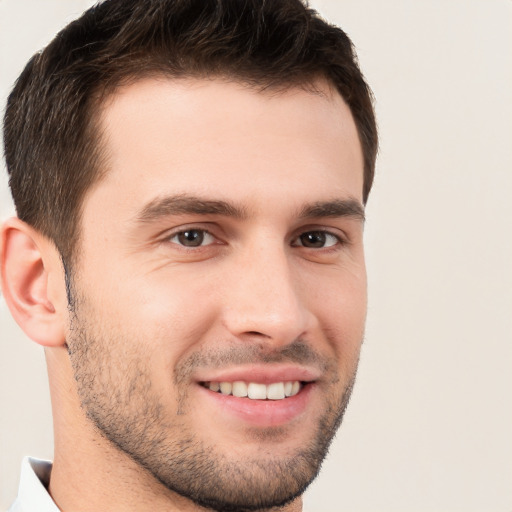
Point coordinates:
pixel 338 240
pixel 203 232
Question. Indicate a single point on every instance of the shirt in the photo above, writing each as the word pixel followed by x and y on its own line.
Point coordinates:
pixel 32 493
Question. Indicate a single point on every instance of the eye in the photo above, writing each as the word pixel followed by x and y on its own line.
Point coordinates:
pixel 192 238
pixel 316 240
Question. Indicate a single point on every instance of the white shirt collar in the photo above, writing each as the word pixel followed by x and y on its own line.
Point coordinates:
pixel 32 493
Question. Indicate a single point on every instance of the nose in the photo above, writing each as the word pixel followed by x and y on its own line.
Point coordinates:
pixel 265 298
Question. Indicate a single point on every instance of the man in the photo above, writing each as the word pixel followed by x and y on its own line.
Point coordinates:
pixel 190 179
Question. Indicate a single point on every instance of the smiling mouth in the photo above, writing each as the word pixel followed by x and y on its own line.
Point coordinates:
pixel 255 390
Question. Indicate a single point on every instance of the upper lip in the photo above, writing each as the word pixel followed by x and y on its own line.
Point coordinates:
pixel 263 374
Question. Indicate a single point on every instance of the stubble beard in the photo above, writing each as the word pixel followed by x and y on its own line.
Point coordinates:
pixel 118 397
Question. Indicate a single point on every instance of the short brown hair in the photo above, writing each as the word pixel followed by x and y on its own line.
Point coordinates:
pixel 52 144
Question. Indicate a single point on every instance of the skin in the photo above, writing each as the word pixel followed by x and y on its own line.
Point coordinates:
pixel 152 318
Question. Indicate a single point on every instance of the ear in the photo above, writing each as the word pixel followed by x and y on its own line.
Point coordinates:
pixel 26 261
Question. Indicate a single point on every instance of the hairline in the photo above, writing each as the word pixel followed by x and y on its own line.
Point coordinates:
pixel 105 93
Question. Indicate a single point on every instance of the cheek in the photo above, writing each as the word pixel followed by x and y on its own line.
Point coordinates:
pixel 172 312
pixel 341 310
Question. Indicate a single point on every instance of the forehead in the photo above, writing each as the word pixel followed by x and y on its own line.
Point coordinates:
pixel 219 138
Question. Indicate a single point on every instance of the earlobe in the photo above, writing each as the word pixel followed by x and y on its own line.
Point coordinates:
pixel 25 273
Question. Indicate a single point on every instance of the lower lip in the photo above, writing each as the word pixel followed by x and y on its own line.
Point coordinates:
pixel 262 413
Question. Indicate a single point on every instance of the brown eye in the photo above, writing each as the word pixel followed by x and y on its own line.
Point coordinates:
pixel 317 239
pixel 192 238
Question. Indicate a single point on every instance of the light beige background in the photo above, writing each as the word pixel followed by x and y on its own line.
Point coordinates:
pixel 430 424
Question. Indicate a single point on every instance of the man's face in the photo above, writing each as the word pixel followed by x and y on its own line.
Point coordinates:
pixel 223 249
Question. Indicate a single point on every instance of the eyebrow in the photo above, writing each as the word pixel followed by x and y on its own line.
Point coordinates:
pixel 334 208
pixel 183 204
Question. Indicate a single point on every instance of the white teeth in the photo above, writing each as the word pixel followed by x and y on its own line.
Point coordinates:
pixel 275 391
pixel 256 391
pixel 239 389
pixel 215 386
pixel 226 388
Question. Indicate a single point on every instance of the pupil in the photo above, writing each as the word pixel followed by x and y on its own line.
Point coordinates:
pixel 192 238
pixel 313 239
